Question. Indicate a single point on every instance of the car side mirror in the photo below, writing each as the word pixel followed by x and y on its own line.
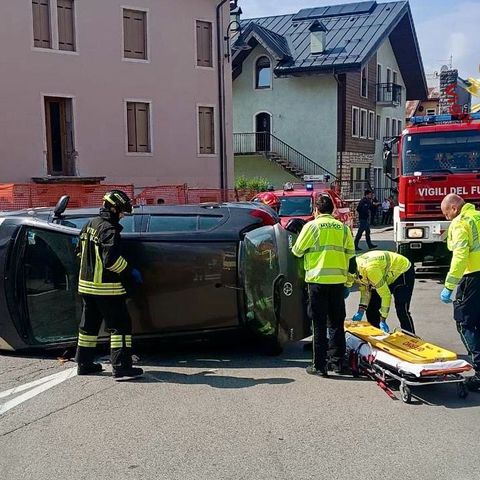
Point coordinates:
pixel 60 207
pixel 295 225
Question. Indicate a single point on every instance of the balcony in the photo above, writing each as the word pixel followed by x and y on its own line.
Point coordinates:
pixel 389 94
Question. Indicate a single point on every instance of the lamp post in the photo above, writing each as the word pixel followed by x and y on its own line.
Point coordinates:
pixel 239 44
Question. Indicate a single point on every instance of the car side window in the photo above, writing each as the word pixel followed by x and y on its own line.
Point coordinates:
pixel 182 223
pixel 78 222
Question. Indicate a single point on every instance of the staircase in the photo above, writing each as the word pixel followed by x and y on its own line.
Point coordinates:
pixel 276 150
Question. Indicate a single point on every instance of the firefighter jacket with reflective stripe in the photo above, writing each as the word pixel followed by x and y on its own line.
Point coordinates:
pixel 327 247
pixel 376 271
pixel 463 240
pixel 102 267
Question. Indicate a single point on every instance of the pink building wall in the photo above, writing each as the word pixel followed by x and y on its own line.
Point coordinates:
pixel 99 81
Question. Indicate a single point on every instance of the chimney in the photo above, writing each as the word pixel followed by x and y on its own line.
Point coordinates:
pixel 318 37
pixel 235 12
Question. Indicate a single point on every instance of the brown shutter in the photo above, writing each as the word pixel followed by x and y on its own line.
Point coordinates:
pixel 131 128
pixel 41 23
pixel 142 121
pixel 134 32
pixel 206 130
pixel 66 39
pixel 204 44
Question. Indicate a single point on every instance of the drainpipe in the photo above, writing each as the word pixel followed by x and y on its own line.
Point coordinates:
pixel 340 123
pixel 221 97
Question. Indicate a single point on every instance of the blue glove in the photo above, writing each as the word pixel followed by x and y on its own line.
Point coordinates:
pixel 346 292
pixel 137 276
pixel 358 316
pixel 445 295
pixel 384 327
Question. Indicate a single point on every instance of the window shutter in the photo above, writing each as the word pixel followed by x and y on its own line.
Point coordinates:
pixel 66 39
pixel 41 23
pixel 141 119
pixel 134 32
pixel 131 128
pixel 204 44
pixel 206 130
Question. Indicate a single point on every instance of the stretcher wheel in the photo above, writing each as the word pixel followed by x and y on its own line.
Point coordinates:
pixel 462 391
pixel 405 393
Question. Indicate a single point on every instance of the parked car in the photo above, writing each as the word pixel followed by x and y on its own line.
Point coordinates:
pixel 298 201
pixel 206 268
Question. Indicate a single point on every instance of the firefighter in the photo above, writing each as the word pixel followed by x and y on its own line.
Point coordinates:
pixel 380 275
pixel 463 241
pixel 103 281
pixel 327 247
pixel 269 199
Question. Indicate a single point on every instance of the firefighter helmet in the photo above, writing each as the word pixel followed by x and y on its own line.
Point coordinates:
pixel 268 198
pixel 119 200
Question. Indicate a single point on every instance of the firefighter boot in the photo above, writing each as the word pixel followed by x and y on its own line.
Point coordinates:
pixel 121 357
pixel 85 355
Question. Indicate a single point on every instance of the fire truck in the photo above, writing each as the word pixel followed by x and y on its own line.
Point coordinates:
pixel 438 155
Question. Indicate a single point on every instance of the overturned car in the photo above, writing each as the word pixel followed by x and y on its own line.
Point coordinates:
pixel 206 268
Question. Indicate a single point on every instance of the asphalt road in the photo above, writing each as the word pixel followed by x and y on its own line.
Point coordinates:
pixel 230 413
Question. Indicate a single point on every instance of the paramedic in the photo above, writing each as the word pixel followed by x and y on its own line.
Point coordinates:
pixel 104 276
pixel 326 246
pixel 380 275
pixel 464 242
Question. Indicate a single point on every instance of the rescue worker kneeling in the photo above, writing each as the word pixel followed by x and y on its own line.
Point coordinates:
pixel 380 275
pixel 103 281
pixel 327 247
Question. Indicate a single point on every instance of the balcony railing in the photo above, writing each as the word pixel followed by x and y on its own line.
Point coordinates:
pixel 389 93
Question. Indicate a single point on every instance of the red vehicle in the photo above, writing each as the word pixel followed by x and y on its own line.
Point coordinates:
pixel 298 200
pixel 438 154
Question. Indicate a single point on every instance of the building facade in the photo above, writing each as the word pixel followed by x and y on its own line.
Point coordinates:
pixel 136 92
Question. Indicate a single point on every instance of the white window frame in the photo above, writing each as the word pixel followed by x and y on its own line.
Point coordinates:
pixel 371 125
pixel 365 68
pixel 215 132
pixel 150 126
pixel 147 34
pixel 54 31
pixel 255 73
pixel 363 110
pixel 356 135
pixel 214 36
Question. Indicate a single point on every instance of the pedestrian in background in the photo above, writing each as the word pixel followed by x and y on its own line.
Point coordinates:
pixel 374 210
pixel 463 241
pixel 364 208
pixel 390 210
pixel 104 278
pixel 385 208
pixel 327 247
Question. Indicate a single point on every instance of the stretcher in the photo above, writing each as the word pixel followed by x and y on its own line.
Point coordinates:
pixel 403 358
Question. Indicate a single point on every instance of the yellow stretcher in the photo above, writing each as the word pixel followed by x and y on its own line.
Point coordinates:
pixel 404 358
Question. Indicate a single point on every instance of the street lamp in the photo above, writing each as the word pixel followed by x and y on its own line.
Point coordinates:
pixel 239 44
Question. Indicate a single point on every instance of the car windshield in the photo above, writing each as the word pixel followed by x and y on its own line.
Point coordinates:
pixel 295 206
pixel 260 269
pixel 447 152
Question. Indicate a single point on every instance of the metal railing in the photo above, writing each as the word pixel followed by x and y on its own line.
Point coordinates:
pixel 390 93
pixel 277 150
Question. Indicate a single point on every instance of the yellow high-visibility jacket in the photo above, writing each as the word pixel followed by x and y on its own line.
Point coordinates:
pixel 463 240
pixel 327 247
pixel 376 271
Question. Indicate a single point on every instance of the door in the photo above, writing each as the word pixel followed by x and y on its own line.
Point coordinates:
pixel 263 131
pixel 59 130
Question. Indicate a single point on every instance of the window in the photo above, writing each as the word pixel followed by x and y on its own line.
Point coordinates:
pixel 183 223
pixel 399 127
pixel 66 36
pixel 379 73
pixel 371 125
pixel 389 80
pixel 138 127
pixel 364 82
pixel 395 78
pixel 363 123
pixel 41 23
pixel 394 127
pixel 355 121
pixel 359 178
pixel 431 111
pixel 387 127
pixel 263 73
pixel 378 178
pixel 204 44
pixel 206 131
pixel 134 34
pixel 377 127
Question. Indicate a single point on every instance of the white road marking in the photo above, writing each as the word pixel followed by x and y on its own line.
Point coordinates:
pixel 37 387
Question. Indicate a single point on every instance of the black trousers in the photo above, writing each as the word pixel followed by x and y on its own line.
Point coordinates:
pixel 466 312
pixel 326 309
pixel 113 310
pixel 363 227
pixel 402 290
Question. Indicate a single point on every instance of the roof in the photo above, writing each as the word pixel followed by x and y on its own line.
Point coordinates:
pixel 355 31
